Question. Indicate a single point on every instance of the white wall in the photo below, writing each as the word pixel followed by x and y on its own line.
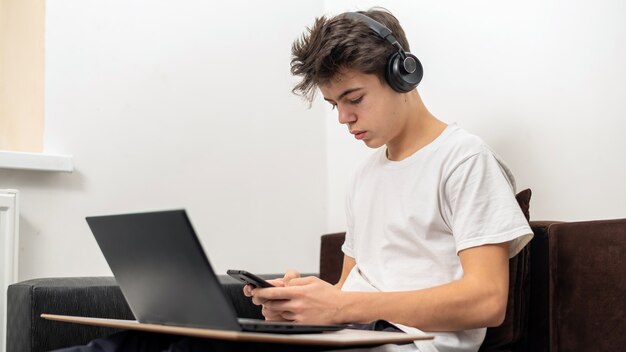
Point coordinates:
pixel 182 104
pixel 541 81
pixel 187 104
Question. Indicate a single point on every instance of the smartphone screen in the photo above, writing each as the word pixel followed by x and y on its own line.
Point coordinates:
pixel 248 278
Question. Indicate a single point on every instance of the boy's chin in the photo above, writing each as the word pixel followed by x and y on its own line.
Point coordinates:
pixel 373 144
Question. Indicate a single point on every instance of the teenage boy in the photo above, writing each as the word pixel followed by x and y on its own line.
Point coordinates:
pixel 431 216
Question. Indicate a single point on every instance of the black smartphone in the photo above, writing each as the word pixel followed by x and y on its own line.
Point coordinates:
pixel 248 278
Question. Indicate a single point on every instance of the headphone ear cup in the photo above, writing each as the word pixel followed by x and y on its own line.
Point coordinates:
pixel 397 75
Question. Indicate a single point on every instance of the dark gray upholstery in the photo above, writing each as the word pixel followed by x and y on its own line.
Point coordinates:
pixel 81 296
pixel 85 296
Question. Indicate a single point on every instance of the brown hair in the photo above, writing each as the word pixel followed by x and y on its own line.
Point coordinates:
pixel 339 43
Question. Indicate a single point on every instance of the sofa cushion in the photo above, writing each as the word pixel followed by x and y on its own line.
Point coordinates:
pixel 538 317
pixel 523 199
pixel 331 257
pixel 512 334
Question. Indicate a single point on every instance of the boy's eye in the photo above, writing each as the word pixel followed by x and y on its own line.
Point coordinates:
pixel 333 106
pixel 356 101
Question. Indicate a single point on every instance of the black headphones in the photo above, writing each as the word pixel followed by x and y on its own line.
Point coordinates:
pixel 403 71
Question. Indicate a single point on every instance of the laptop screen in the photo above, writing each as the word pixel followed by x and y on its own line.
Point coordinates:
pixel 162 269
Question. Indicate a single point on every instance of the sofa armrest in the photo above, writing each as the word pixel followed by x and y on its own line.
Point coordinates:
pixel 81 296
pixel 587 285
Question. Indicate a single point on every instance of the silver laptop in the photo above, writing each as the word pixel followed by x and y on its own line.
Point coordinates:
pixel 166 277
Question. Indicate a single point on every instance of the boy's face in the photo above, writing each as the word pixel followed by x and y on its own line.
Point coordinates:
pixel 372 111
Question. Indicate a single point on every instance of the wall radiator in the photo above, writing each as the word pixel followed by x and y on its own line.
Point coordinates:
pixel 9 247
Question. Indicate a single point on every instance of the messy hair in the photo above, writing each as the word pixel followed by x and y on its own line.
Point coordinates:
pixel 339 43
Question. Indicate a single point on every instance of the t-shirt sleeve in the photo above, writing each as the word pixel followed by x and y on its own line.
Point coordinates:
pixel 480 206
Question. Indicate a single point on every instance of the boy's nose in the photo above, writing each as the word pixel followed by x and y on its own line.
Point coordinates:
pixel 346 116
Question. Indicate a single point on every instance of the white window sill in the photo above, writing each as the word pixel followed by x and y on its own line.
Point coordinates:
pixel 36 161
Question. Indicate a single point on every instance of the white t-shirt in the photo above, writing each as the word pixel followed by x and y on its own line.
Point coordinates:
pixel 407 220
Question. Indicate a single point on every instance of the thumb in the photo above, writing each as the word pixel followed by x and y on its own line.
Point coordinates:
pixel 290 275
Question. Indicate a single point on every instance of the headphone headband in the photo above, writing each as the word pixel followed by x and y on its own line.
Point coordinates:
pixel 403 70
pixel 377 27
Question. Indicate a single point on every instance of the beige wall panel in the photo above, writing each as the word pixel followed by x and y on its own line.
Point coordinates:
pixel 22 75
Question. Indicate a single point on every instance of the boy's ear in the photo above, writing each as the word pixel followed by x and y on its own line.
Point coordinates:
pixel 404 72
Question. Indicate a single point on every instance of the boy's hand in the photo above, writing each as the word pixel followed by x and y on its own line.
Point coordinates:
pixel 271 315
pixel 307 300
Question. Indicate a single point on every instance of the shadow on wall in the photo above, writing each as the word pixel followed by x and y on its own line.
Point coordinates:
pixel 37 180
pixel 37 186
pixel 29 235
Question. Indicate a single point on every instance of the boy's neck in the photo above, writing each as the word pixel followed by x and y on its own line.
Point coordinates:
pixel 420 129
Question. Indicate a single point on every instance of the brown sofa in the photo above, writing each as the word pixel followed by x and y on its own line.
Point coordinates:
pixel 567 293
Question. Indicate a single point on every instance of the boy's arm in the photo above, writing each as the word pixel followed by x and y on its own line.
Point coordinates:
pixel 476 300
pixel 348 264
